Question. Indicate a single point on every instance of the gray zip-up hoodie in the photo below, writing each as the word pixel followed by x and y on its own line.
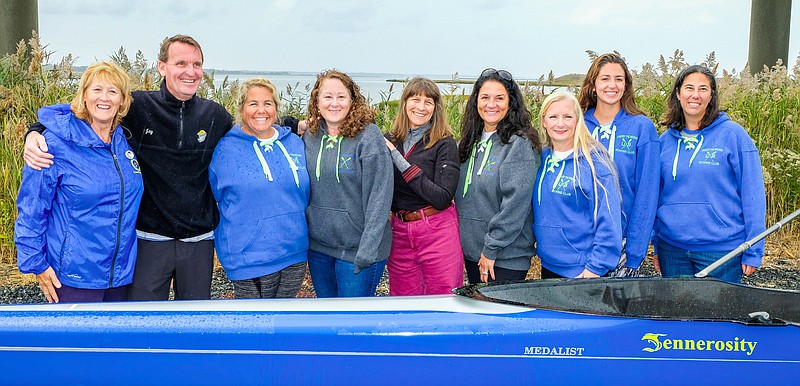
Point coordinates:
pixel 494 209
pixel 351 196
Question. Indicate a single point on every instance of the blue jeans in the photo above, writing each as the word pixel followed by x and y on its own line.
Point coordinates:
pixel 333 277
pixel 676 262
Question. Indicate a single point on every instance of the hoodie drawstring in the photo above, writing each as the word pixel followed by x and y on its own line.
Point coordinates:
pixel 331 140
pixel 485 147
pixel 267 145
pixel 550 167
pixel 609 132
pixel 691 143
pixel 264 166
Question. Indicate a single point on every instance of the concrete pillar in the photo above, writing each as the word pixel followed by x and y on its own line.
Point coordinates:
pixel 17 19
pixel 769 33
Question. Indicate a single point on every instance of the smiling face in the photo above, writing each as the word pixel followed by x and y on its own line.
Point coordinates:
pixel 258 112
pixel 694 96
pixel 610 84
pixel 560 121
pixel 419 109
pixel 183 70
pixel 102 99
pixel 492 104
pixel 334 101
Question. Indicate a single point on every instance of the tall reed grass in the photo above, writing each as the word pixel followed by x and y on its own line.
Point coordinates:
pixel 767 105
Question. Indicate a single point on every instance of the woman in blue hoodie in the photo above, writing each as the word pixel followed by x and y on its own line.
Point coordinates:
pixel 712 189
pixel 631 139
pixel 76 229
pixel 259 180
pixel 576 205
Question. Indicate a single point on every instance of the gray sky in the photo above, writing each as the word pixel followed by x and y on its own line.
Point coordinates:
pixel 427 37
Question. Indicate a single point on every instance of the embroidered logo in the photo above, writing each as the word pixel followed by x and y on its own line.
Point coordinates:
pixel 562 186
pixel 148 132
pixel 296 160
pixel 346 163
pixel 710 156
pixel 201 136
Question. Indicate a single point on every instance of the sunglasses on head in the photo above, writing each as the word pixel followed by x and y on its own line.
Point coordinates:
pixel 503 74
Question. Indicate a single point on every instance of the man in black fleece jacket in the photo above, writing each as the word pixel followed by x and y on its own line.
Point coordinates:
pixel 173 132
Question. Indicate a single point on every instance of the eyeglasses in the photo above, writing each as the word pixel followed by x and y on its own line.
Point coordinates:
pixel 503 74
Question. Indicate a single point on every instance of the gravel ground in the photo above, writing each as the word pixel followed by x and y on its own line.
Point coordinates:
pixel 777 272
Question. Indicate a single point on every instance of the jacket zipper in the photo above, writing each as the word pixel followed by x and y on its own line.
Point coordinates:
pixel 180 127
pixel 119 218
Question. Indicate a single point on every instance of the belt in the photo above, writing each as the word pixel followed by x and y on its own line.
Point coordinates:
pixel 416 215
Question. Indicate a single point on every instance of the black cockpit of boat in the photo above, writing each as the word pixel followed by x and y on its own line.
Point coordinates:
pixel 652 298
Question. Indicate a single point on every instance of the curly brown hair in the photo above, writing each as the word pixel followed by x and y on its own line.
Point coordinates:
pixel 359 116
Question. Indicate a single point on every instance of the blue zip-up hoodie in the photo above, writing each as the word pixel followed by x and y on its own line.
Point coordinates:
pixel 262 192
pixel 79 215
pixel 712 190
pixel 569 237
pixel 632 142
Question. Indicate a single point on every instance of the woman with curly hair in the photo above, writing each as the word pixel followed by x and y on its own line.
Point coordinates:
pixel 499 153
pixel 351 190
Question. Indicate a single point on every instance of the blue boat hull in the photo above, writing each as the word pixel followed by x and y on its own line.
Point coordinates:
pixel 439 340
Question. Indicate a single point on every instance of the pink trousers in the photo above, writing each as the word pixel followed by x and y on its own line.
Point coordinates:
pixel 426 255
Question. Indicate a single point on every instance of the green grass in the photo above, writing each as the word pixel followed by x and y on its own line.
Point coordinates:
pixel 767 106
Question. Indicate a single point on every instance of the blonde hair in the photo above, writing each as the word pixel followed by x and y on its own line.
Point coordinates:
pixel 439 127
pixel 111 73
pixel 583 144
pixel 249 84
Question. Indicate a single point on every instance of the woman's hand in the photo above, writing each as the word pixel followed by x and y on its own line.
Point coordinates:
pixel 587 274
pixel 748 269
pixel 656 265
pixel 389 144
pixel 49 282
pixel 35 153
pixel 486 268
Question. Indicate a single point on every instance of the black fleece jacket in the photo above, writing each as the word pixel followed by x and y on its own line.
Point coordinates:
pixel 174 141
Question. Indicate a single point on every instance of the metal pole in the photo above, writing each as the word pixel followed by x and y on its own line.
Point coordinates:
pixel 17 19
pixel 769 33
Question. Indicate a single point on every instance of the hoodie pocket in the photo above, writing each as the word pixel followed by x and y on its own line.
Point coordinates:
pixel 333 227
pixel 693 223
pixel 473 233
pixel 553 246
pixel 275 237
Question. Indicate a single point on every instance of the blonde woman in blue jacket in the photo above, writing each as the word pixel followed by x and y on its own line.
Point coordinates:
pixel 576 204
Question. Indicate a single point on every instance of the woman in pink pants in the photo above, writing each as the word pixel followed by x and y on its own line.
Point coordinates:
pixel 426 255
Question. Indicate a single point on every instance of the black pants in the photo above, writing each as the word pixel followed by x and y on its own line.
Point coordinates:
pixel 190 265
pixel 500 274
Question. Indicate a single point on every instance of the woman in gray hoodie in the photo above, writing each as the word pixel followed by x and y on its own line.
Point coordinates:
pixel 351 190
pixel 500 153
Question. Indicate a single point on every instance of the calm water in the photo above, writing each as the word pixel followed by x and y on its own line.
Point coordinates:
pixel 375 87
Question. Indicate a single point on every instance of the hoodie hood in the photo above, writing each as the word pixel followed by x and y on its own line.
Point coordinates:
pixel 238 132
pixel 262 146
pixel 721 119
pixel 59 120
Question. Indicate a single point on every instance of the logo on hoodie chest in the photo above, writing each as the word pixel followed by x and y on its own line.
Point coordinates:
pixel 710 156
pixel 627 144
pixel 346 163
pixel 201 136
